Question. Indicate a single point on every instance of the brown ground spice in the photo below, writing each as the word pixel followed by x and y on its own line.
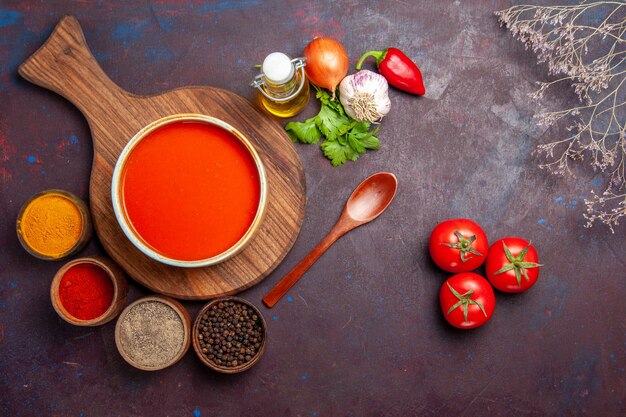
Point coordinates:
pixel 152 334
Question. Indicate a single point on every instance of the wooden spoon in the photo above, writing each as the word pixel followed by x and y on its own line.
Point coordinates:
pixel 367 202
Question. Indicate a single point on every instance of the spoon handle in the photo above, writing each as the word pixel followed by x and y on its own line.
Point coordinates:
pixel 280 289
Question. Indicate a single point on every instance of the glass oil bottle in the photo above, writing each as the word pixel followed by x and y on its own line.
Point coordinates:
pixel 282 84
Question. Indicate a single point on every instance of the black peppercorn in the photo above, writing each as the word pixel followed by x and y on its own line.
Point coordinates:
pixel 230 334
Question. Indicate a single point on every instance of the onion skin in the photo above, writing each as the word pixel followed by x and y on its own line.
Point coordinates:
pixel 327 62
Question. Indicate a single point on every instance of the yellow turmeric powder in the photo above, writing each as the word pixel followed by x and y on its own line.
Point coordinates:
pixel 51 224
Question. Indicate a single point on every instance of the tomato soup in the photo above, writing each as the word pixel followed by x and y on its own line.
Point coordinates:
pixel 190 190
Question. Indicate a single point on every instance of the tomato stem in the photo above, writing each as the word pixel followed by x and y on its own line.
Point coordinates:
pixel 464 245
pixel 517 263
pixel 464 301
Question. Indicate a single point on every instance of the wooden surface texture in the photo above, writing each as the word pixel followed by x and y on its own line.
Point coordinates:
pixel 65 65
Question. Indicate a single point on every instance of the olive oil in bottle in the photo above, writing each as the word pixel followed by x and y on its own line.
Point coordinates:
pixel 282 84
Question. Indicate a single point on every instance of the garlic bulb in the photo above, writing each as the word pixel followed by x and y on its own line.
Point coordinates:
pixel 364 96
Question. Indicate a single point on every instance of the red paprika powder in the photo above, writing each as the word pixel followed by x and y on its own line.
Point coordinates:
pixel 86 291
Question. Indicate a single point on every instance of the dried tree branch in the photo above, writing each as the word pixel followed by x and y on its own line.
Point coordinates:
pixel 583 45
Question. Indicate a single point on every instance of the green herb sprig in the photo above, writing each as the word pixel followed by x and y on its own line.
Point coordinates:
pixel 344 138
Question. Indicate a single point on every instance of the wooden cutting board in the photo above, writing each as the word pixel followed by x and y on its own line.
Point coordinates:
pixel 64 64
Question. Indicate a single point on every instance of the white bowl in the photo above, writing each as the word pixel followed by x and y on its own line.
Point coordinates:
pixel 122 217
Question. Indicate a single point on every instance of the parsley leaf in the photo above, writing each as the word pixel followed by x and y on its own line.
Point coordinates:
pixel 325 97
pixel 354 143
pixel 338 153
pixel 345 139
pixel 305 132
pixel 366 138
pixel 330 122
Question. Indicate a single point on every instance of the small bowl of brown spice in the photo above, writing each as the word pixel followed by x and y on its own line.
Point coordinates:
pixel 229 335
pixel 152 333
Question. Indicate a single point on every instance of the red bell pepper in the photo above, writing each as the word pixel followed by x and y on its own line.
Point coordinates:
pixel 398 69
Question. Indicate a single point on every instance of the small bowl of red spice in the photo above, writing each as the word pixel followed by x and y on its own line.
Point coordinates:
pixel 89 291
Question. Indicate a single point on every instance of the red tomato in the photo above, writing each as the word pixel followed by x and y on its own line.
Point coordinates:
pixel 512 265
pixel 458 245
pixel 467 300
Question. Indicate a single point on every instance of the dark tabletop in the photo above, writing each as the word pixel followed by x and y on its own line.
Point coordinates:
pixel 362 334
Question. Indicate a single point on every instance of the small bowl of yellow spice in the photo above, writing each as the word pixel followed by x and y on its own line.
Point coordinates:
pixel 53 224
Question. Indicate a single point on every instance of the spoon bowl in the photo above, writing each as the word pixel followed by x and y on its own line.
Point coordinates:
pixel 367 201
pixel 372 197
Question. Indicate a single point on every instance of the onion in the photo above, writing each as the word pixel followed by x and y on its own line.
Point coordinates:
pixel 326 62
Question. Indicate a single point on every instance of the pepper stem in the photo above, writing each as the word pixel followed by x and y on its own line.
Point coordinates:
pixel 379 55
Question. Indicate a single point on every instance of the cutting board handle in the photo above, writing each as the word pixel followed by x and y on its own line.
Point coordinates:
pixel 65 65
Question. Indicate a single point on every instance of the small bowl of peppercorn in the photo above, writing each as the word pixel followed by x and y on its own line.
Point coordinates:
pixel 229 335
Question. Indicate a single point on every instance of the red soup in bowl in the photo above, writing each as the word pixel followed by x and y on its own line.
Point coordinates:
pixel 189 190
